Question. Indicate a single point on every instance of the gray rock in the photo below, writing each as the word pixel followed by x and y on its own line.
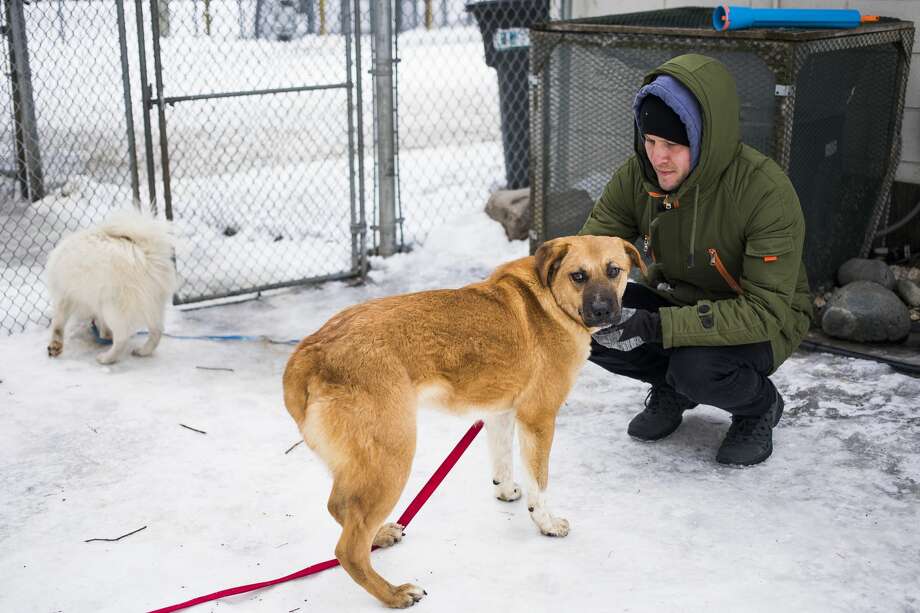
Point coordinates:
pixel 909 292
pixel 859 269
pixel 864 311
pixel 511 208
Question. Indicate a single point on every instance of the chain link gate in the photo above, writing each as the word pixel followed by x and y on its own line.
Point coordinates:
pixel 260 149
pixel 261 169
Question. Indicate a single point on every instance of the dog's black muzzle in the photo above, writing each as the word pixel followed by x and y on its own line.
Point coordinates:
pixel 600 307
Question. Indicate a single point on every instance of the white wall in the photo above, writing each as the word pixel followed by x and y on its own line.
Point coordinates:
pixel 909 169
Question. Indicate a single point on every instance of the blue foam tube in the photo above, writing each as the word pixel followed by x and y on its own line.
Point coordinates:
pixel 726 17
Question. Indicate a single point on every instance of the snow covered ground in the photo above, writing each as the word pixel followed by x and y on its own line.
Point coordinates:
pixel 829 523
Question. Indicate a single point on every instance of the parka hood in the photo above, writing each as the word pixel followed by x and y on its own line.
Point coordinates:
pixel 714 88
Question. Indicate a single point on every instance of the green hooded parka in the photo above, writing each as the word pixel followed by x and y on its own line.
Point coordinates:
pixel 727 244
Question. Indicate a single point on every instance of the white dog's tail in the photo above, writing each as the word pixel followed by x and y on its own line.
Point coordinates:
pixel 155 238
pixel 137 226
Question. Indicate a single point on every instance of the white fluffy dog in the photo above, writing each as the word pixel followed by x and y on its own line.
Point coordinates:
pixel 121 273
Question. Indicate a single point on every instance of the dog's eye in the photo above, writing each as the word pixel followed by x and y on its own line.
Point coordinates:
pixel 579 276
pixel 613 271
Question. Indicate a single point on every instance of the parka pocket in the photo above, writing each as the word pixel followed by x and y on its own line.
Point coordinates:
pixel 770 248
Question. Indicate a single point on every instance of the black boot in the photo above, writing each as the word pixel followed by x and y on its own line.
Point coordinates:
pixel 750 438
pixel 664 409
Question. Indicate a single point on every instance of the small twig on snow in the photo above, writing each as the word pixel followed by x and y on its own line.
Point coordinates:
pixel 119 538
pixel 215 368
pixel 195 429
pixel 292 447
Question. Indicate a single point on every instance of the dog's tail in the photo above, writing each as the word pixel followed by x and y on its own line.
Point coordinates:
pixel 296 391
pixel 137 227
pixel 154 238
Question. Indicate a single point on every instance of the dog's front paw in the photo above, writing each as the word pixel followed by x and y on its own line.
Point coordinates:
pixel 556 527
pixel 549 525
pixel 55 348
pixel 508 491
pixel 406 595
pixel 389 534
pixel 142 352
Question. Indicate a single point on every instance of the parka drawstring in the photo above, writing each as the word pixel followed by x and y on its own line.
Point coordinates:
pixel 696 203
pixel 651 203
pixel 648 236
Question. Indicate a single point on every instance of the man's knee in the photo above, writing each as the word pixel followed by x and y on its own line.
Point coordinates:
pixel 719 377
pixel 695 372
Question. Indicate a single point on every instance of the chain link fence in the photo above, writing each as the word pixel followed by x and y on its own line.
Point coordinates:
pixel 63 134
pixel 245 136
pixel 245 122
pixel 462 90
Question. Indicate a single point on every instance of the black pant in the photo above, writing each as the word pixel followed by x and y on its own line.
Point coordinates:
pixel 731 377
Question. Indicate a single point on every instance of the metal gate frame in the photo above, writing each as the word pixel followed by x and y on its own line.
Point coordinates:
pixel 153 96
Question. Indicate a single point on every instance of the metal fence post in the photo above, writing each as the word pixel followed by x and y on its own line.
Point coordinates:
pixel 129 111
pixel 356 137
pixel 161 112
pixel 28 153
pixel 147 105
pixel 385 138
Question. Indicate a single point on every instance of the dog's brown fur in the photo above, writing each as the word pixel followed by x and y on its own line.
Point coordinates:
pixel 510 345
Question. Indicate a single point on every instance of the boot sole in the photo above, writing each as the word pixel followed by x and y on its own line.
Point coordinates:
pixel 753 462
pixel 658 438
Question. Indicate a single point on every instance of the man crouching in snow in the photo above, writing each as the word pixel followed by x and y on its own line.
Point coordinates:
pixel 727 298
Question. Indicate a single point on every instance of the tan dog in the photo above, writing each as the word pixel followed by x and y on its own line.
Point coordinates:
pixel 511 345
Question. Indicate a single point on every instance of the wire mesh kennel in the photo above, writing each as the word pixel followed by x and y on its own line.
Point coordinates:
pixel 825 104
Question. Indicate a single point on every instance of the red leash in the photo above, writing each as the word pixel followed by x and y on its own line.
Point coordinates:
pixel 420 499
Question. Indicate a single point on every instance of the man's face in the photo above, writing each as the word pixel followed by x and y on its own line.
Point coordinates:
pixel 671 161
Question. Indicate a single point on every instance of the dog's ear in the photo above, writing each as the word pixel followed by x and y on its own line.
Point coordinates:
pixel 548 258
pixel 636 257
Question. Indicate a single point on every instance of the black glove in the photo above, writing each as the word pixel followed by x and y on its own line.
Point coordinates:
pixel 635 327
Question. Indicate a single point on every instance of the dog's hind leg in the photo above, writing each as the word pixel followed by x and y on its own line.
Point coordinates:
pixel 535 431
pixel 500 430
pixel 365 490
pixel 154 333
pixel 121 334
pixel 362 516
pixel 62 312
